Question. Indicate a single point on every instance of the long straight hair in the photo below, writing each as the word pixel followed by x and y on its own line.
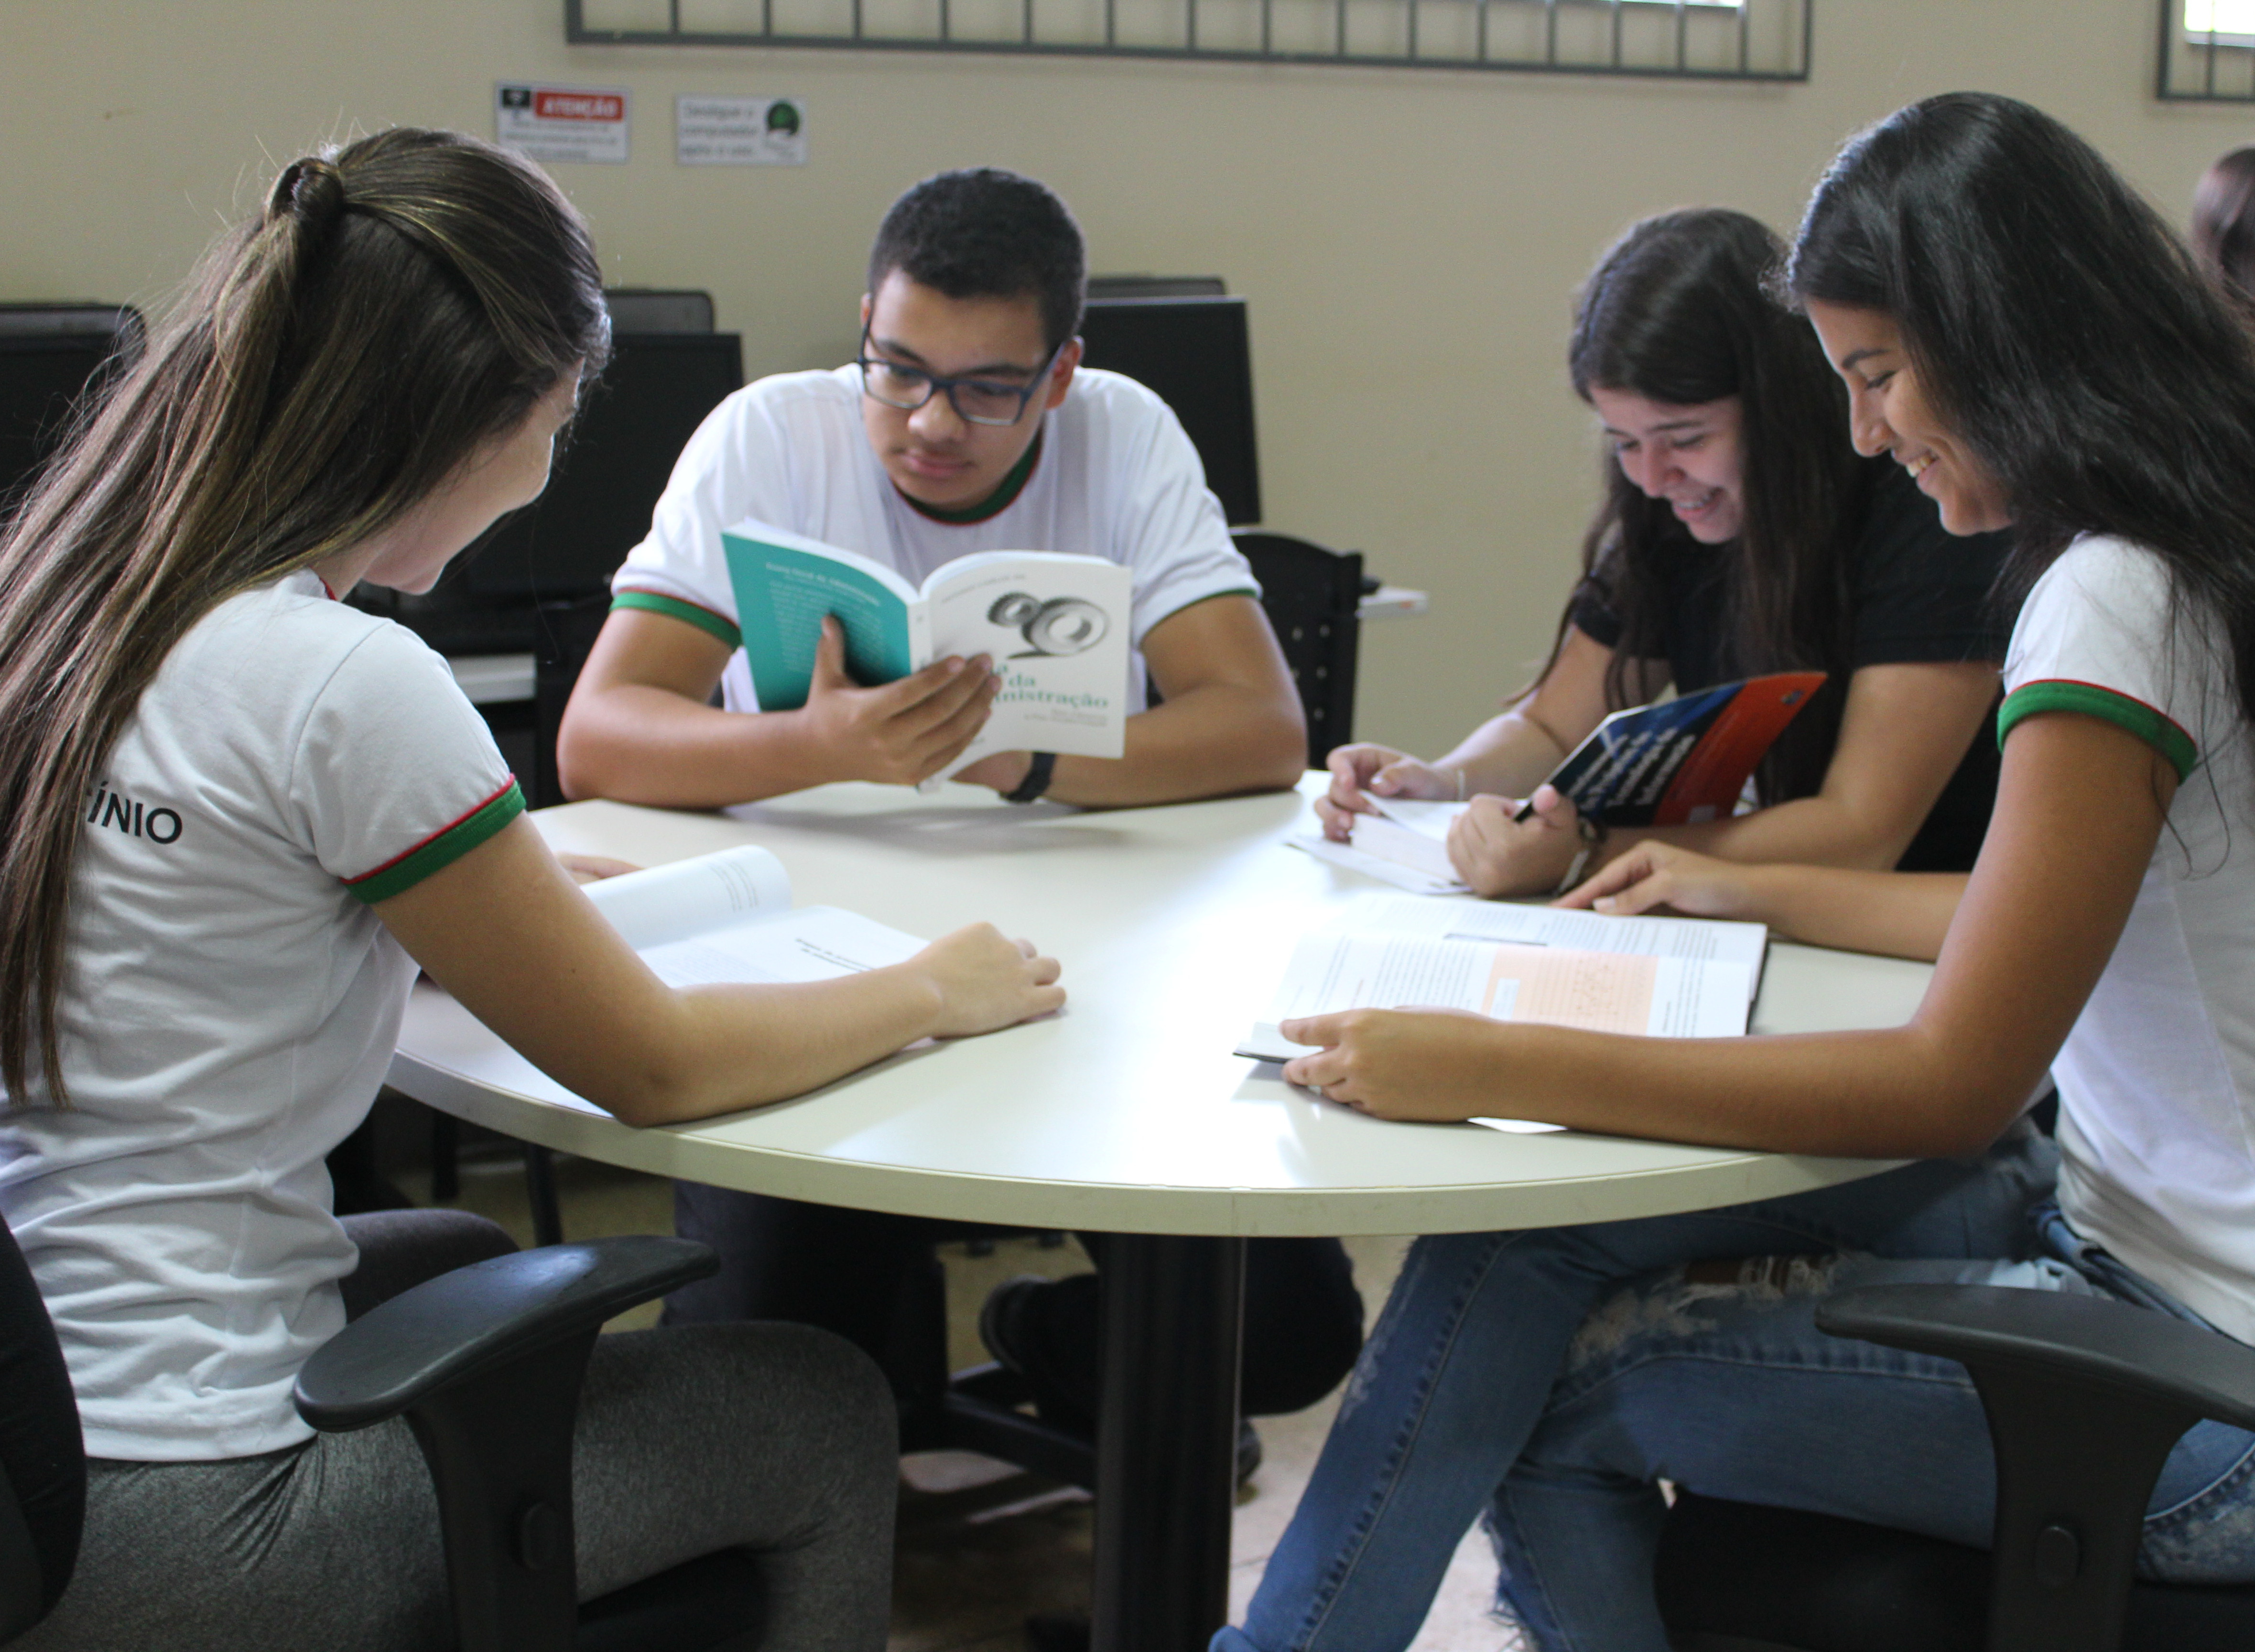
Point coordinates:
pixel 2065 334
pixel 399 304
pixel 1676 312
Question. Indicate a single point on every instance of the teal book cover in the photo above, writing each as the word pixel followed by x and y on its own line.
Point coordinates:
pixel 782 593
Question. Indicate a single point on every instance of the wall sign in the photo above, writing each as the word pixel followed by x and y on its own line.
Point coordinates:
pixel 562 122
pixel 738 131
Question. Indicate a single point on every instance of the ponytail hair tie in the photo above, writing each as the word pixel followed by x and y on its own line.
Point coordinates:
pixel 312 191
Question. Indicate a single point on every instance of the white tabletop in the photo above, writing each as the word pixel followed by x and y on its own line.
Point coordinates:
pixel 1127 1112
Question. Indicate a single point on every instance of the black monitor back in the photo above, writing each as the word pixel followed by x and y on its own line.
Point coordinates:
pixel 656 391
pixel 50 356
pixel 1195 352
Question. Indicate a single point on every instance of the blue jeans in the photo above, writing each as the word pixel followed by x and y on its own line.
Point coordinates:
pixel 1552 1377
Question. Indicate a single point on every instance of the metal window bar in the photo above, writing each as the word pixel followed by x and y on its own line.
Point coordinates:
pixel 1763 40
pixel 2190 62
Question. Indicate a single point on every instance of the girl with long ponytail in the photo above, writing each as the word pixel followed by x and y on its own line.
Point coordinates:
pixel 241 815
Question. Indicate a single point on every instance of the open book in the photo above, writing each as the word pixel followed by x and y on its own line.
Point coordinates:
pixel 1667 977
pixel 1056 625
pixel 728 917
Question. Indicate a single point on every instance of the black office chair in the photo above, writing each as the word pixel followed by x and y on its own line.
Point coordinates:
pixel 1312 596
pixel 485 1362
pixel 2085 1397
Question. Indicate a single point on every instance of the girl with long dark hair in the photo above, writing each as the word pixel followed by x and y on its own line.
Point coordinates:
pixel 241 814
pixel 2022 335
pixel 1738 534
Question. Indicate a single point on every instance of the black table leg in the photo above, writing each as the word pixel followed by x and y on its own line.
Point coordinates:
pixel 1166 1442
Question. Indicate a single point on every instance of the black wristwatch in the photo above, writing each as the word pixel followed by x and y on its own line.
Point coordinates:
pixel 1037 780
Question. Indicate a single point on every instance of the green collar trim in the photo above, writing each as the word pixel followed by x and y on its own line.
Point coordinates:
pixel 997 502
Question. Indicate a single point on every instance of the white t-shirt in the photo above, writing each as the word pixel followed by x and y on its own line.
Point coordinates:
pixel 1112 476
pixel 230 1008
pixel 2157 1078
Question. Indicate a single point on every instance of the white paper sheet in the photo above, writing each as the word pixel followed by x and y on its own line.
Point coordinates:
pixel 1353 860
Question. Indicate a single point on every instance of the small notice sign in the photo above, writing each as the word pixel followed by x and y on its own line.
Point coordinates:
pixel 562 122
pixel 738 131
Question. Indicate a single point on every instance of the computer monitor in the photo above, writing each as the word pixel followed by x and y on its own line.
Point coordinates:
pixel 656 391
pixel 1196 354
pixel 49 356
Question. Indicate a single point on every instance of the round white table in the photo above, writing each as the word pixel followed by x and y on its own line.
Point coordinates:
pixel 1125 1114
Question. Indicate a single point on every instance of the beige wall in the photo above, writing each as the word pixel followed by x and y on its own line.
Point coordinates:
pixel 1409 241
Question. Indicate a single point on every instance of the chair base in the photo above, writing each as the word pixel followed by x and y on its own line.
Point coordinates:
pixel 713 1604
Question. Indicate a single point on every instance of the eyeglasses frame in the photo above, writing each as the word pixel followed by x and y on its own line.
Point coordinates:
pixel 935 385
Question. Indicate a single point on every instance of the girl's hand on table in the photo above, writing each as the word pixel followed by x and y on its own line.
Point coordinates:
pixel 1649 875
pixel 1497 855
pixel 985 980
pixel 1429 1064
pixel 1383 772
pixel 594 868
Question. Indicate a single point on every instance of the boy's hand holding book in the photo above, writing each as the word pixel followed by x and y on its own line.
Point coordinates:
pixel 900 732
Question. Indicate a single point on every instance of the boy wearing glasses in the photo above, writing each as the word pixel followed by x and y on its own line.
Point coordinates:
pixel 966 424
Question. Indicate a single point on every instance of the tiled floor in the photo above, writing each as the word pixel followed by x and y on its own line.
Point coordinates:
pixel 982 1547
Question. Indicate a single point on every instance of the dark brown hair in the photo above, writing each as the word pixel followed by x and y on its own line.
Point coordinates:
pixel 399 304
pixel 1677 312
pixel 2065 334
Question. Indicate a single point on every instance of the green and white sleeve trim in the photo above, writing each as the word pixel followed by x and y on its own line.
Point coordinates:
pixel 2060 693
pixel 442 849
pixel 673 607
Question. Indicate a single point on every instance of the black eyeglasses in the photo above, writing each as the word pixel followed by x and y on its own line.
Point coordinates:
pixel 979 401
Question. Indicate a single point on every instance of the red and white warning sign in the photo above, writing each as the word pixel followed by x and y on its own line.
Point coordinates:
pixel 562 122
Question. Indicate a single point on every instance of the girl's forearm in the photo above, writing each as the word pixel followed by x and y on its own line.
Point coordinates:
pixel 741 1044
pixel 1900 914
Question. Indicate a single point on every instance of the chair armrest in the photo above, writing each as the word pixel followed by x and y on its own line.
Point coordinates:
pixel 477 1319
pixel 2043 1333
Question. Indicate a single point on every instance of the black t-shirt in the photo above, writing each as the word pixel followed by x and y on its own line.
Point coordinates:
pixel 1917 594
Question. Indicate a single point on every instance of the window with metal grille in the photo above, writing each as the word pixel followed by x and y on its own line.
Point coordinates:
pixel 1703 39
pixel 2206 51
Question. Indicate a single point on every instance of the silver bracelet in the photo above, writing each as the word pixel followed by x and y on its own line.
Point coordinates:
pixel 1460 782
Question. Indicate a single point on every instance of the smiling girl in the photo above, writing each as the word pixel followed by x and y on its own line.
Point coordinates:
pixel 2019 333
pixel 1739 534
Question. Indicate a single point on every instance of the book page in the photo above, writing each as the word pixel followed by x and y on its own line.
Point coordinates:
pixel 816 943
pixel 1598 992
pixel 785 584
pixel 1058 630
pixel 707 891
pixel 1699 939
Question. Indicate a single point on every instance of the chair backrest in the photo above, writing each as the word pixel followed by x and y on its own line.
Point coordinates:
pixel 1311 595
pixel 564 638
pixel 42 1454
